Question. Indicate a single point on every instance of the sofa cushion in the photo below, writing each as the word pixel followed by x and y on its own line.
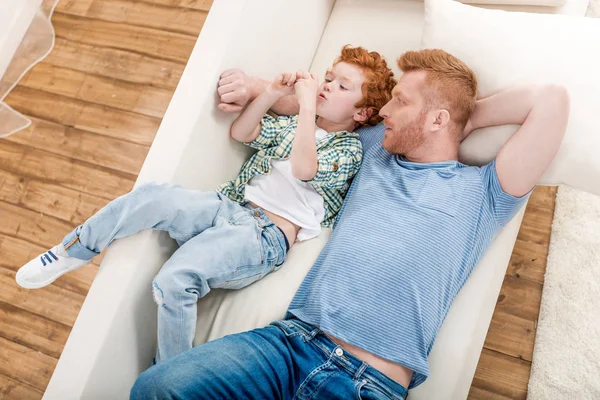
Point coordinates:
pixel 506 49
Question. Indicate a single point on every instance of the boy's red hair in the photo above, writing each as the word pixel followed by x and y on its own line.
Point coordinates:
pixel 379 79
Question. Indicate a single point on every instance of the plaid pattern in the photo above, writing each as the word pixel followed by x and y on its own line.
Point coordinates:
pixel 339 155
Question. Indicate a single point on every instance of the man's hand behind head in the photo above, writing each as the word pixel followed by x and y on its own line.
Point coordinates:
pixel 235 90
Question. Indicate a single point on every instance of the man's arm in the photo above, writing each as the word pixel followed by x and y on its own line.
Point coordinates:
pixel 543 113
pixel 236 89
pixel 247 125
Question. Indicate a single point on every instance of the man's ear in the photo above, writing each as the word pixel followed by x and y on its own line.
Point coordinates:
pixel 363 114
pixel 441 118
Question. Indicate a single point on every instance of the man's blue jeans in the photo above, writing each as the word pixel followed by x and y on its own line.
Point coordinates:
pixel 288 359
pixel 222 245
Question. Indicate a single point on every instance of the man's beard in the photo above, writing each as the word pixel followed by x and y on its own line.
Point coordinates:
pixel 407 138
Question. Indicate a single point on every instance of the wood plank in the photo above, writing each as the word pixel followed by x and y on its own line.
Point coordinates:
pixel 32 226
pixel 530 253
pixel 17 252
pixel 153 101
pixel 91 117
pixel 544 197
pixel 32 331
pixel 69 173
pixel 110 92
pixel 25 365
pixel 81 145
pixel 528 261
pixel 147 100
pixel 511 335
pixel 520 297
pixel 195 4
pixel 54 79
pixel 15 390
pixel 168 45
pixel 66 204
pixel 481 394
pixel 77 7
pixel 502 375
pixel 173 19
pixel 11 187
pixel 114 63
pixel 52 302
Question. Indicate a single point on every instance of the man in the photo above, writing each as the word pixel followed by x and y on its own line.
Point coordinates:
pixel 414 224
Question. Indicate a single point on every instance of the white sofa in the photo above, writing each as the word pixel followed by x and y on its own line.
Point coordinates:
pixel 114 337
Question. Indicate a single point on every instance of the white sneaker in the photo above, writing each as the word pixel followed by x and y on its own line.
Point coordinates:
pixel 47 267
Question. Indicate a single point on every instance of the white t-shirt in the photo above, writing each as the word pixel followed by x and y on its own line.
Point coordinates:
pixel 281 193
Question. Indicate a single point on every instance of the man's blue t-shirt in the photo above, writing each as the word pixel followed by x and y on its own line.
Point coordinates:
pixel 405 242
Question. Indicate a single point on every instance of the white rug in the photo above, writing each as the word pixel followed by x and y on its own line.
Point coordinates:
pixel 566 358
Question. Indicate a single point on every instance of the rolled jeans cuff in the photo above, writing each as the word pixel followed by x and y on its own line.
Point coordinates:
pixel 75 249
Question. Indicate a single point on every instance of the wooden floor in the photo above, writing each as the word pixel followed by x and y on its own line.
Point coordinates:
pixel 96 103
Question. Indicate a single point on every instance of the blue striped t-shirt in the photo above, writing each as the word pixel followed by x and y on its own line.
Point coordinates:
pixel 405 241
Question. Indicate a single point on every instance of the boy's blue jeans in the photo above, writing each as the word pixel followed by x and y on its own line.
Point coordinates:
pixel 288 359
pixel 222 245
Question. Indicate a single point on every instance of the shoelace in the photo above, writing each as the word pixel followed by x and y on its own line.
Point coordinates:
pixel 46 256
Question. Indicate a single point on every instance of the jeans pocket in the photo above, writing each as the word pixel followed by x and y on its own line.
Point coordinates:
pixel 290 329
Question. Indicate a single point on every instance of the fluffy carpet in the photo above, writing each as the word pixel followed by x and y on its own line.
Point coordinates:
pixel 566 359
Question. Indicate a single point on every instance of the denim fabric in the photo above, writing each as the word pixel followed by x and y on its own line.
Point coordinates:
pixel 288 359
pixel 222 245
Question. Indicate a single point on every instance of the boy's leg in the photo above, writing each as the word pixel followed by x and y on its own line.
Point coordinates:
pixel 225 256
pixel 183 213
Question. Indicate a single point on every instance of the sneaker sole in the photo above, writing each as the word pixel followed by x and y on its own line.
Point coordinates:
pixel 26 285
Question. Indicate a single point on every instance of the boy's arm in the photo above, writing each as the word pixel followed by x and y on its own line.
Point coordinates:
pixel 236 89
pixel 304 149
pixel 543 113
pixel 247 126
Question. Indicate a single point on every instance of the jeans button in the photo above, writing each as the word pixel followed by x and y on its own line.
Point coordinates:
pixel 339 352
pixel 256 214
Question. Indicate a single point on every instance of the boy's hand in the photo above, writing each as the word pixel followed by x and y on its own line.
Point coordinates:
pixel 306 87
pixel 283 85
pixel 235 90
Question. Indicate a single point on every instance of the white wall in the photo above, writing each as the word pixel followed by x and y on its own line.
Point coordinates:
pixel 15 18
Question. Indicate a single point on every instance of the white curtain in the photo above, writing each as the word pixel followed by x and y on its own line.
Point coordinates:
pixel 36 44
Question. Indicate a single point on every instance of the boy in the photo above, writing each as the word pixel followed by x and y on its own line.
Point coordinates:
pixel 242 231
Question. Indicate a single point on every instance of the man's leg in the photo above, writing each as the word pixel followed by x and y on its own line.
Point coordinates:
pixel 224 256
pixel 182 212
pixel 287 359
pixel 259 364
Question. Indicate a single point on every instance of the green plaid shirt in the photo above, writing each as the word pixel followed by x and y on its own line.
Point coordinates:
pixel 339 155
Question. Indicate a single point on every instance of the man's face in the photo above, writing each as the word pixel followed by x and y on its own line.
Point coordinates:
pixel 404 115
pixel 339 92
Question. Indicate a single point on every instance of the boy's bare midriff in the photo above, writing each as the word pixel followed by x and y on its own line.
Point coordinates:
pixel 290 229
pixel 395 372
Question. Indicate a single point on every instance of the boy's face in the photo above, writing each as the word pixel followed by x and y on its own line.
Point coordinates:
pixel 340 91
